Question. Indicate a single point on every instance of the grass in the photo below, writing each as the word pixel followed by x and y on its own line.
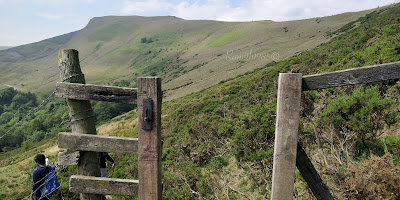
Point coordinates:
pixel 108 33
pixel 16 168
pixel 227 38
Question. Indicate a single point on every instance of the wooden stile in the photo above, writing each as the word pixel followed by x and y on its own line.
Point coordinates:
pixel 148 146
pixel 98 143
pixel 96 92
pixel 287 154
pixel 99 185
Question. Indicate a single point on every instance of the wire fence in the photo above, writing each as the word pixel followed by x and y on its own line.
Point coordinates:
pixel 34 109
pixel 30 112
pixel 57 169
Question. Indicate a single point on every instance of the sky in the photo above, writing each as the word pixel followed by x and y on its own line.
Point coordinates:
pixel 27 21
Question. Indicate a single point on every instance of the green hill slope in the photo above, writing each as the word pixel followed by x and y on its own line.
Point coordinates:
pixel 218 143
pixel 188 55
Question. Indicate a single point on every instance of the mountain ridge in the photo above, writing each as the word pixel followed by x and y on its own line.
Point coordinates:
pixel 189 55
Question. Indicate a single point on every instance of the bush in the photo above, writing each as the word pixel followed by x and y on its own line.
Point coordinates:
pixel 361 114
pixel 375 178
pixel 146 40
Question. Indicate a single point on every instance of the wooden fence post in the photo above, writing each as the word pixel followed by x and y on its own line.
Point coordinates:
pixel 286 132
pixel 149 144
pixel 81 114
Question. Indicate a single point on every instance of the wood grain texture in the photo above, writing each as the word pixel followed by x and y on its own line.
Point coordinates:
pixel 361 75
pixel 96 92
pixel 98 143
pixel 311 176
pixel 99 185
pixel 286 133
pixel 70 71
pixel 68 158
pixel 149 149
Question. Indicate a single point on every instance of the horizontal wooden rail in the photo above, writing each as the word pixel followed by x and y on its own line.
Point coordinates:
pixel 97 143
pixel 361 75
pixel 96 92
pixel 98 185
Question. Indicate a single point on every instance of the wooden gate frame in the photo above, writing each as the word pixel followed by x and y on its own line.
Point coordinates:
pixel 287 152
pixel 83 138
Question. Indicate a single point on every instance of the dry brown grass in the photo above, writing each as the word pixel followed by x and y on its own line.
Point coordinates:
pixel 375 178
pixel 119 128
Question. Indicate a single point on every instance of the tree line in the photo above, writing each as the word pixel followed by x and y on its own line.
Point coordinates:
pixel 44 122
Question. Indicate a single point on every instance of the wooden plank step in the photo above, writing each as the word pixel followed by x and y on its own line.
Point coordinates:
pixel 100 185
pixel 97 143
pixel 361 75
pixel 96 92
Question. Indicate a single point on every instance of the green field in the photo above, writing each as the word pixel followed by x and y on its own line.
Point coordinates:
pixel 227 38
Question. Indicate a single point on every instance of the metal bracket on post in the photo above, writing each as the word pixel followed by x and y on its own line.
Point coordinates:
pixel 147 124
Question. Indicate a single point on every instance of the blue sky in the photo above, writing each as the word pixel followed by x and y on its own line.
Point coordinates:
pixel 27 21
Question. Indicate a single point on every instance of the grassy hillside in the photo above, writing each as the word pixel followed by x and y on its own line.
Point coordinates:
pixel 218 143
pixel 189 55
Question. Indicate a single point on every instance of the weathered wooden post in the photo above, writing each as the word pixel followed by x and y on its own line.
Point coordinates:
pixel 286 135
pixel 149 147
pixel 81 115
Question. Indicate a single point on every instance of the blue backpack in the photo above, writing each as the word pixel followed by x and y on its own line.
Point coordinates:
pixel 51 185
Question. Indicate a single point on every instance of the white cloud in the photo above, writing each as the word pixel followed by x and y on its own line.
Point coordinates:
pixel 49 16
pixel 278 10
pixel 211 9
pixel 145 7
